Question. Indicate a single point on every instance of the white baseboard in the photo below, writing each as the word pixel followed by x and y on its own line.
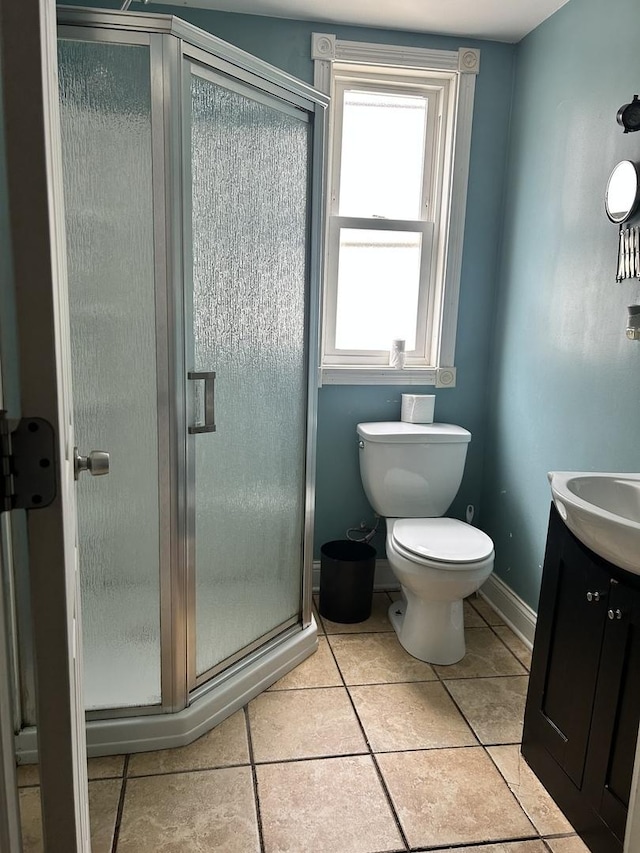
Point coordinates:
pixel 383 579
pixel 515 612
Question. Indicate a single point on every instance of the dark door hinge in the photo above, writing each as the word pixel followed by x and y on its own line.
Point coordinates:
pixel 29 463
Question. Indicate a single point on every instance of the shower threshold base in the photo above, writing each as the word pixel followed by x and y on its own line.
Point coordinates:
pixel 211 705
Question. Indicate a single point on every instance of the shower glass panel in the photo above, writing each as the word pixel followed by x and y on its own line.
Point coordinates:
pixel 105 97
pixel 249 201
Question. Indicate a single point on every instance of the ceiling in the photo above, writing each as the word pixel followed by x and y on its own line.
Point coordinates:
pixel 502 20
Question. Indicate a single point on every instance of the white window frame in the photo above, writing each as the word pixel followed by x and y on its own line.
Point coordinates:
pixel 451 76
pixel 353 78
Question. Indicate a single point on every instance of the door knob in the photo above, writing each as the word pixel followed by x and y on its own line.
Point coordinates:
pixel 615 614
pixel 593 596
pixel 96 463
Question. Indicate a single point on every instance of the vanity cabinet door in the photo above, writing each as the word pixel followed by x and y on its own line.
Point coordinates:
pixel 572 616
pixel 616 713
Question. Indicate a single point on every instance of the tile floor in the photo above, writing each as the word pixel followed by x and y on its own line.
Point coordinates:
pixel 361 749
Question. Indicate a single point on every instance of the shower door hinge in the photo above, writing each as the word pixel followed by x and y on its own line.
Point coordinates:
pixel 28 454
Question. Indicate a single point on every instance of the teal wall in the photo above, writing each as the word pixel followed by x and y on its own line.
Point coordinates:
pixel 546 377
pixel 340 501
pixel 566 383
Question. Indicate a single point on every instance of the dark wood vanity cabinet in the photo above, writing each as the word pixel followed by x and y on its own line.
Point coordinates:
pixel 583 704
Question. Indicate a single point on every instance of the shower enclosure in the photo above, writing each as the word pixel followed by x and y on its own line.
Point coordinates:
pixel 192 177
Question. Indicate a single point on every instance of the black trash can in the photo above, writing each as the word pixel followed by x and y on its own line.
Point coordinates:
pixel 346 580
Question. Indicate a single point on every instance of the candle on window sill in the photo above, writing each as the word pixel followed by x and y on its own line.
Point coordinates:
pixel 396 354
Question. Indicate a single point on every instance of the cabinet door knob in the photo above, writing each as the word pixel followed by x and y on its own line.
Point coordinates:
pixel 615 614
pixel 593 596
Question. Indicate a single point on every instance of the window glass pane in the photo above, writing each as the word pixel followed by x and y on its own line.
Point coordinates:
pixel 381 169
pixel 378 283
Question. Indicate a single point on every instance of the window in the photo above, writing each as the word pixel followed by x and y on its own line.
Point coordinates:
pixel 398 163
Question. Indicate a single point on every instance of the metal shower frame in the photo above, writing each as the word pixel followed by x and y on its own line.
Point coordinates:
pixel 190 705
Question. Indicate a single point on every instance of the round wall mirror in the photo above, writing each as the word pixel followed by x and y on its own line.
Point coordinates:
pixel 621 197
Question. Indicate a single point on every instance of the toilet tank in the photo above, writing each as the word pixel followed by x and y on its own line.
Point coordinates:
pixel 411 470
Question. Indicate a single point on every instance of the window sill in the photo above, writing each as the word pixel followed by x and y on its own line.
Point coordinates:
pixel 441 377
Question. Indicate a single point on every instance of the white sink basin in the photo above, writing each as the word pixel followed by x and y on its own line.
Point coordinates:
pixel 603 511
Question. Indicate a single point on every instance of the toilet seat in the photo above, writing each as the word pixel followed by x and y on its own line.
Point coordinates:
pixel 453 543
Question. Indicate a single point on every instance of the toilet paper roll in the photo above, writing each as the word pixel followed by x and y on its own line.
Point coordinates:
pixel 418 408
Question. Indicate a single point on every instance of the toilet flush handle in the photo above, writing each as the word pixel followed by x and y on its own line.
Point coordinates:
pixel 361 444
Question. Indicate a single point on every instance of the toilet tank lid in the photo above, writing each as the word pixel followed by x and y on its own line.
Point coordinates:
pixel 399 432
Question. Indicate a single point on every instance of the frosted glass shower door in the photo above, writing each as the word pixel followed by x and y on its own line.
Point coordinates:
pixel 105 102
pixel 248 220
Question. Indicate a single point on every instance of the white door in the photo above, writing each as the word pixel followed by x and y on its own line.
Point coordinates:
pixel 36 230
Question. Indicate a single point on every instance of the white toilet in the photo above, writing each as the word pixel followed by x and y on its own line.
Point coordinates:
pixel 411 473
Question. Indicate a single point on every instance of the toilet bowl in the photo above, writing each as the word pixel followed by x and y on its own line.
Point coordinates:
pixel 438 562
pixel 411 474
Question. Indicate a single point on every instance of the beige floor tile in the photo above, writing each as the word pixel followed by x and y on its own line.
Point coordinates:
pixel 331 806
pixel 318 670
pixel 472 619
pixel 570 844
pixel 223 746
pixel 28 774
pixel 543 812
pixel 190 813
pixel 304 724
pixel 493 707
pixel 377 659
pixel 378 621
pixel 419 715
pixel 436 793
pixel 486 611
pixel 486 655
pixel 106 767
pixel 104 796
pixel 504 847
pixel 31 820
pixel 520 650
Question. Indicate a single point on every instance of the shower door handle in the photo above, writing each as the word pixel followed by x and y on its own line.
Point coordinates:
pixel 209 401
